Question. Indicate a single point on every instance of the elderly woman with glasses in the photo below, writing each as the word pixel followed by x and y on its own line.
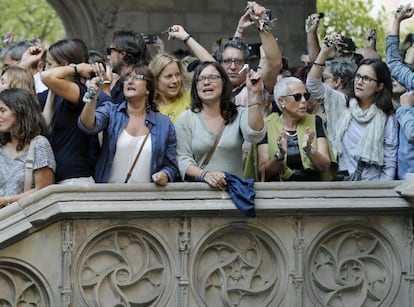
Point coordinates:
pixel 362 127
pixel 296 147
pixel 211 133
pixel 139 143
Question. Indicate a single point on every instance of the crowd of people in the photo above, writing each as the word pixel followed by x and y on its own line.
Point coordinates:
pixel 68 115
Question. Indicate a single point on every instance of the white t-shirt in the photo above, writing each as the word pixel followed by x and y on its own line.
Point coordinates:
pixel 127 148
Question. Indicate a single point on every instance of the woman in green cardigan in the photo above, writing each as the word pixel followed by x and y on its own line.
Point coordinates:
pixel 296 147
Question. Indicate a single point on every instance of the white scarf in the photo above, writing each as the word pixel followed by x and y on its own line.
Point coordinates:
pixel 370 148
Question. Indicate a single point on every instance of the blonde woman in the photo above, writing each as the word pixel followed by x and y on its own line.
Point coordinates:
pixel 171 96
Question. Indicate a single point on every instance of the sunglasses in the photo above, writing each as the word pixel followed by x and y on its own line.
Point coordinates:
pixel 109 50
pixel 298 96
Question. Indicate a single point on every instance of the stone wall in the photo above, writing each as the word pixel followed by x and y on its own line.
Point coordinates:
pixel 311 244
pixel 95 21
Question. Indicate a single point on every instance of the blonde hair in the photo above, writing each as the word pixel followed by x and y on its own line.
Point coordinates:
pixel 20 78
pixel 157 65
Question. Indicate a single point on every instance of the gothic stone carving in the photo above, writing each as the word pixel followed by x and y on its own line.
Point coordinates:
pixel 21 285
pixel 239 265
pixel 124 266
pixel 353 265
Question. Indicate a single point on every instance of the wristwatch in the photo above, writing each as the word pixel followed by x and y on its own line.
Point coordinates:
pixel 74 67
pixel 278 156
pixel 310 152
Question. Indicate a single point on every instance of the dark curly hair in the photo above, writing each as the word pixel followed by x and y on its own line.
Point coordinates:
pixel 29 119
pixel 227 108
pixel 149 77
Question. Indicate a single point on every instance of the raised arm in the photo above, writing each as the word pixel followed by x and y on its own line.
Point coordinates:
pixel 58 80
pixel 270 56
pixel 178 32
pixel 399 70
pixel 312 41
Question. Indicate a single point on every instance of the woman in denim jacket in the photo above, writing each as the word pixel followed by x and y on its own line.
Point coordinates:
pixel 125 128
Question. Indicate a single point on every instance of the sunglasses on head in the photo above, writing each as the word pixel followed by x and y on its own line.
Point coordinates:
pixel 298 96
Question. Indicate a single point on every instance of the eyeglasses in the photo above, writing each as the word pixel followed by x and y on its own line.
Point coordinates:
pixel 109 50
pixel 134 77
pixel 365 79
pixel 210 78
pixel 228 62
pixel 298 96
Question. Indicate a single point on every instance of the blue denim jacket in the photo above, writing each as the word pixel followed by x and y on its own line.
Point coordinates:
pixel 112 119
pixel 405 114
pixel 405 117
pixel 401 72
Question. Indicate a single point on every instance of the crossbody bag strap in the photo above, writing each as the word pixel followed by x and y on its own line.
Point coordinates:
pixel 136 157
pixel 28 174
pixel 213 149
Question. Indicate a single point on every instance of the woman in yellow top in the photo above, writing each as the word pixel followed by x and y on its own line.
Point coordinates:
pixel 170 95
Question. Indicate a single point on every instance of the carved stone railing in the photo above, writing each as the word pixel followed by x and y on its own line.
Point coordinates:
pixel 311 244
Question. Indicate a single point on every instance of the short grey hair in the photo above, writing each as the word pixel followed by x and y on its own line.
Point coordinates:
pixel 281 88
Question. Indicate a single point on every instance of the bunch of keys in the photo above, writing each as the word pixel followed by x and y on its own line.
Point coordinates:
pixel 101 81
pixel 371 34
pixel 334 40
pixel 90 95
pixel 402 9
pixel 263 24
pixel 310 21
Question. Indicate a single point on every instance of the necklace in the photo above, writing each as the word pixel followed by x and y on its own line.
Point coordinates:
pixel 291 133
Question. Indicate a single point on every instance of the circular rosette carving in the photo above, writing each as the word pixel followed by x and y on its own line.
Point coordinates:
pixel 124 267
pixel 239 265
pixel 353 265
pixel 22 286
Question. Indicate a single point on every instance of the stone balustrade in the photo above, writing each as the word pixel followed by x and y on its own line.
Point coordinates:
pixel 311 244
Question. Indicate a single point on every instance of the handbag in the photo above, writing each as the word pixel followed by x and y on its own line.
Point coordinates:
pixel 213 149
pixel 28 174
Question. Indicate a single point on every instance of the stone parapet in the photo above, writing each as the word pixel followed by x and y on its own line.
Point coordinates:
pixel 311 244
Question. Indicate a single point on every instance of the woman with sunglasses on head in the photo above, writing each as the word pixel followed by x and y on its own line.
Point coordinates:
pixel 362 127
pixel 296 147
pixel 215 119
pixel 139 143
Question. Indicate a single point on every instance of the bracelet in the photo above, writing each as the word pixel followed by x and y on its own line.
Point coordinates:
pixel 253 104
pixel 319 65
pixel 74 67
pixel 7 200
pixel 204 173
pixel 185 40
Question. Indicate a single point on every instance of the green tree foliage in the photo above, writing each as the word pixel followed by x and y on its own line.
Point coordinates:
pixel 29 19
pixel 352 18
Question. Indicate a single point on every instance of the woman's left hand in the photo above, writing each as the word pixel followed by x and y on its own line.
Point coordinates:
pixel 308 139
pixel 160 178
pixel 216 180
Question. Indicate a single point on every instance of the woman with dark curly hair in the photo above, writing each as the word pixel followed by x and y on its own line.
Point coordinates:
pixel 21 122
pixel 213 116
pixel 131 129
